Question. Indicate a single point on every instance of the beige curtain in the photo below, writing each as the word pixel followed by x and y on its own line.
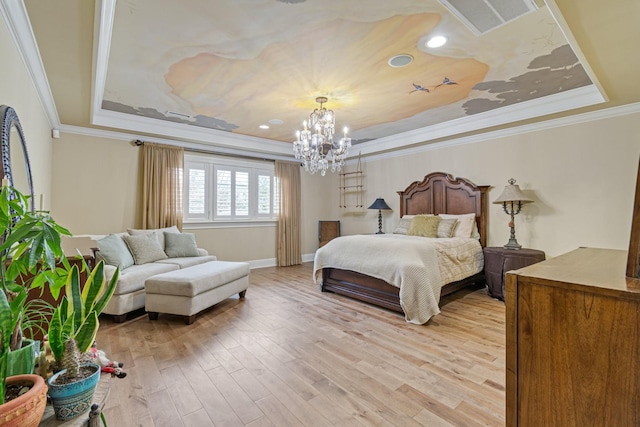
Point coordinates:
pixel 162 167
pixel 289 240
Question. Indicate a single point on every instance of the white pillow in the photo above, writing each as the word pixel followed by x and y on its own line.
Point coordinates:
pixel 403 225
pixel 447 227
pixel 466 226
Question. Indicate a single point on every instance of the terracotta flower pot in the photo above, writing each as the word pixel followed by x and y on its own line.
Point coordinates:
pixel 26 410
pixel 72 399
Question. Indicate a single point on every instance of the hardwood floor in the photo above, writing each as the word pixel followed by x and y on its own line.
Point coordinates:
pixel 289 355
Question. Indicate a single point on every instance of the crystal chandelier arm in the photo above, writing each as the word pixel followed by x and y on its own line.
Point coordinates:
pixel 315 144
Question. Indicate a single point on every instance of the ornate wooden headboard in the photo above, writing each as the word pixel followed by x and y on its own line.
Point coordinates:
pixel 440 192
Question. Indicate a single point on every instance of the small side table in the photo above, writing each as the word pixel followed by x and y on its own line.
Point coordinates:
pixel 498 260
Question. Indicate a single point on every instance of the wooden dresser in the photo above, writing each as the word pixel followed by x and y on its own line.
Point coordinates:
pixel 573 342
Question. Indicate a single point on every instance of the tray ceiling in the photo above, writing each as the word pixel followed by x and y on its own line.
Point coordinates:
pixel 248 72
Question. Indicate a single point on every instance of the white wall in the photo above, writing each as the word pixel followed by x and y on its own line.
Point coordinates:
pixel 18 91
pixel 581 176
pixel 95 184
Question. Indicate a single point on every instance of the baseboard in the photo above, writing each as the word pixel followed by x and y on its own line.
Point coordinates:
pixel 262 263
pixel 272 262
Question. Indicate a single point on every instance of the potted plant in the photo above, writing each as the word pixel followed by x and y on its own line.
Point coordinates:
pixel 30 249
pixel 24 409
pixel 72 331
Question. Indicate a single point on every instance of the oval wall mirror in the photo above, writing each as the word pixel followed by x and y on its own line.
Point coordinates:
pixel 15 158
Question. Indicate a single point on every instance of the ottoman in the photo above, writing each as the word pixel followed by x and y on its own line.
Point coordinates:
pixel 188 291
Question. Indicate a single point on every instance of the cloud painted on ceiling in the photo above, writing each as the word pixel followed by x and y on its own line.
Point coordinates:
pixel 554 73
pixel 234 66
pixel 152 113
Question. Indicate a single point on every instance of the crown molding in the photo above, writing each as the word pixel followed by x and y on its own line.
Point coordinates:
pixel 559 102
pixel 566 31
pixel 580 97
pixel 605 113
pixel 15 15
pixel 103 29
pixel 206 147
pixel 602 114
pixel 196 134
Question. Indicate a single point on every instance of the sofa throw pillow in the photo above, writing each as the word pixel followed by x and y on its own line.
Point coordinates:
pixel 446 227
pixel 158 232
pixel 114 251
pixel 424 225
pixel 145 248
pixel 180 245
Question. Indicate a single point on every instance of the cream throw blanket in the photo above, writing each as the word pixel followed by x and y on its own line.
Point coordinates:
pixel 409 263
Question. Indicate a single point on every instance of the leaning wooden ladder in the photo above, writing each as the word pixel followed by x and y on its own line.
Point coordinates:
pixel 352 187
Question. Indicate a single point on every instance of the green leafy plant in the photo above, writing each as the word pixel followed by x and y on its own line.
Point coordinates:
pixel 31 256
pixel 6 330
pixel 76 317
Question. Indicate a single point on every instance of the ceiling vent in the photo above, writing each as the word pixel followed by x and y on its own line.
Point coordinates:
pixel 482 16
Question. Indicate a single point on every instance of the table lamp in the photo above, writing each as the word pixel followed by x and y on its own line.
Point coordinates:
pixel 380 204
pixel 512 200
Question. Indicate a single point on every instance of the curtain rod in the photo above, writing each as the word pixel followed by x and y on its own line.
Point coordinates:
pixel 140 143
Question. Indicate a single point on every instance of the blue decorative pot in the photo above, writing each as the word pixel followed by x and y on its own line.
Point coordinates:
pixel 73 399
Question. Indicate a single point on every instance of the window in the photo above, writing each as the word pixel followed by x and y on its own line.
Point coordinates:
pixel 225 189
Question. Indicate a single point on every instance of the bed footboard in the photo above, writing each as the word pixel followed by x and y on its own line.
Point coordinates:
pixel 378 292
pixel 361 287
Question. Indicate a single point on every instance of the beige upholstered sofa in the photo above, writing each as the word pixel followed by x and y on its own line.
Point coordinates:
pixel 142 254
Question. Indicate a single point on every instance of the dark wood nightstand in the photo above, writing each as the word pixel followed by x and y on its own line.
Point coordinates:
pixel 498 260
pixel 327 231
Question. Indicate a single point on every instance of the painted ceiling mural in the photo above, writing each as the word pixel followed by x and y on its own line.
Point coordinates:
pixel 236 65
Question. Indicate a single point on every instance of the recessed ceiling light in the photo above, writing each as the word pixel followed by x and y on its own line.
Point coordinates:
pixel 436 41
pixel 275 122
pixel 264 127
pixel 400 60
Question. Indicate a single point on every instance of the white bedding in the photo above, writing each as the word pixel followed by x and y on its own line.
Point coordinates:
pixel 419 266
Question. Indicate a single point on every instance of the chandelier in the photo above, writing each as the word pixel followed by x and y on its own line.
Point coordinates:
pixel 314 145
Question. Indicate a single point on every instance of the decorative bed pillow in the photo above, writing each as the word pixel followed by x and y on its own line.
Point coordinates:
pixel 466 226
pixel 158 232
pixel 446 227
pixel 144 248
pixel 424 225
pixel 113 251
pixel 180 245
pixel 403 225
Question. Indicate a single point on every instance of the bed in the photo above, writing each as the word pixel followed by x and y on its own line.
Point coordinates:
pixel 437 193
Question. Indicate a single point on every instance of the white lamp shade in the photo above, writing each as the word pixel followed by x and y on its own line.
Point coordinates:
pixel 512 193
